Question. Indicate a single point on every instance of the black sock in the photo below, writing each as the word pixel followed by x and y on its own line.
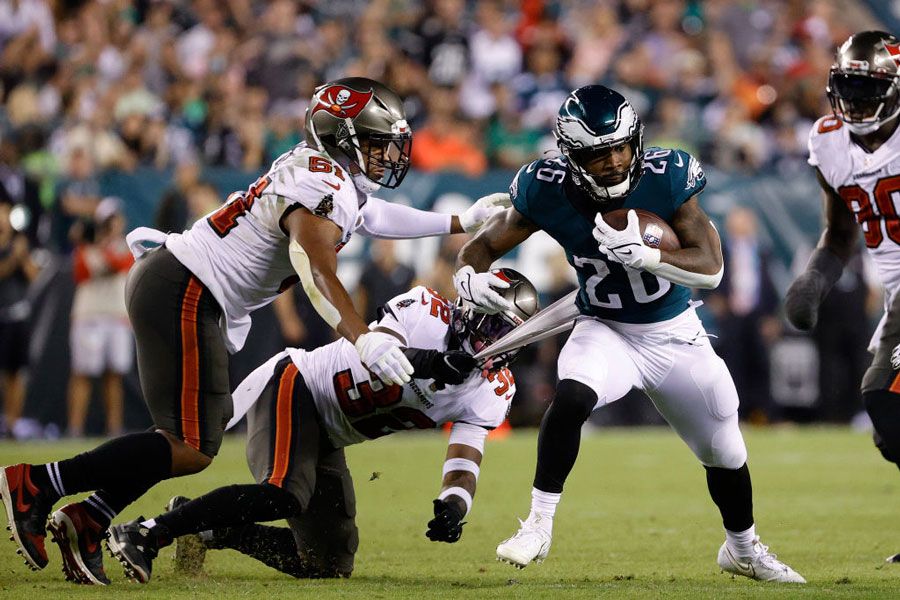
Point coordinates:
pixel 560 435
pixel 272 546
pixel 229 506
pixel 104 505
pixel 127 462
pixel 884 410
pixel 732 492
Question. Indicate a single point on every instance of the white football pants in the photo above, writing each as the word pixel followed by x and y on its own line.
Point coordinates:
pixel 674 363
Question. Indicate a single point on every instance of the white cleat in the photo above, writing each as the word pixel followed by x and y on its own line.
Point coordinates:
pixel 530 543
pixel 762 566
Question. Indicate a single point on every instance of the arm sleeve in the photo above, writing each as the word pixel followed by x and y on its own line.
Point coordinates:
pixel 687 181
pixel 391 220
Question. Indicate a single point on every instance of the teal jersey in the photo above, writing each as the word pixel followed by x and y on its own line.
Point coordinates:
pixel 543 193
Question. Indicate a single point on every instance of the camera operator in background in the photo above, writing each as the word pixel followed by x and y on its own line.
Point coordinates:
pixel 17 271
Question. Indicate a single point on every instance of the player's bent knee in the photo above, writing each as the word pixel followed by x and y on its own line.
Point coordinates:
pixel 727 448
pixel 573 400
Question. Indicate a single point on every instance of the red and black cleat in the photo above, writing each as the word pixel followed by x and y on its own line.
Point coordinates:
pixel 27 507
pixel 78 537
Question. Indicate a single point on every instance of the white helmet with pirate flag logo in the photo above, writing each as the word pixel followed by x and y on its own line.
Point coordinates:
pixel 476 330
pixel 864 82
pixel 361 122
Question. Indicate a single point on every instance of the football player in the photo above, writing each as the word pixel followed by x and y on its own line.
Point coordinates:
pixel 190 299
pixel 639 328
pixel 856 154
pixel 305 407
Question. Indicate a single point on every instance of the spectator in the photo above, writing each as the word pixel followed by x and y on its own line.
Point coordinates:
pixel 173 212
pixel 101 338
pixel 78 198
pixel 17 270
pixel 745 306
pixel 509 143
pixel 445 143
pixel 382 279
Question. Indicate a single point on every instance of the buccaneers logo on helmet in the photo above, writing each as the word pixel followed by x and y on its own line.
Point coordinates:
pixel 342 102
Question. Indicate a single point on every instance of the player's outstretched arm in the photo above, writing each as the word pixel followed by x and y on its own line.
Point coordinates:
pixel 502 232
pixel 460 476
pixel 312 255
pixel 390 220
pixel 838 241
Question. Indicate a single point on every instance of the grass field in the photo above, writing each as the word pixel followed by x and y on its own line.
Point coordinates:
pixel 635 522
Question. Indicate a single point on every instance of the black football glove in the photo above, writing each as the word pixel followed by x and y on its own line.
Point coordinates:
pixel 446 368
pixel 801 304
pixel 453 367
pixel 447 524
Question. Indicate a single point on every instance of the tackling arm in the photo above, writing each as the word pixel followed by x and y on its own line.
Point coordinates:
pixel 312 254
pixel 826 263
pixel 460 477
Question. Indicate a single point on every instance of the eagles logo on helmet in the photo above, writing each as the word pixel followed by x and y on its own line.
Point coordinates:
pixel 593 120
pixel 475 331
pixel 864 82
pixel 361 123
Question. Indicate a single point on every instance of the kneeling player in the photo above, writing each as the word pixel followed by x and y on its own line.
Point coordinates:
pixel 304 407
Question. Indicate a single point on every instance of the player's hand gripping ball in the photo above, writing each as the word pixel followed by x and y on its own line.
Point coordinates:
pixel 633 237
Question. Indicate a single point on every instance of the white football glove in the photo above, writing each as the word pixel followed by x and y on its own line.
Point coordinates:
pixel 478 290
pixel 382 354
pixel 627 246
pixel 477 215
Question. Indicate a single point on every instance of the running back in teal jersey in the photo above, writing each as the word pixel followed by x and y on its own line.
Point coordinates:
pixel 543 193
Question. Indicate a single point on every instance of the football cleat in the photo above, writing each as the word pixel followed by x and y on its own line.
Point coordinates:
pixel 27 507
pixel 190 551
pixel 893 559
pixel 78 537
pixel 762 566
pixel 133 545
pixel 530 543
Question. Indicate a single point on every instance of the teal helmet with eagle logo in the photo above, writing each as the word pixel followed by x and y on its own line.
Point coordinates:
pixel 593 120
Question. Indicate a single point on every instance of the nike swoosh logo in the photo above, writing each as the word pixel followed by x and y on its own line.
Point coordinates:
pixel 335 186
pixel 508 396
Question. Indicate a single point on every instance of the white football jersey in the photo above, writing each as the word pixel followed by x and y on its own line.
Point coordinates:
pixel 240 251
pixel 869 184
pixel 354 406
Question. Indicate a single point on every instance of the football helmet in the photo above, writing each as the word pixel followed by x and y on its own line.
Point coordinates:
pixel 361 122
pixel 591 121
pixel 864 82
pixel 475 330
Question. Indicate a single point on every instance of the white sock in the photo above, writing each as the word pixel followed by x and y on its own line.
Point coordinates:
pixel 741 542
pixel 149 523
pixel 544 503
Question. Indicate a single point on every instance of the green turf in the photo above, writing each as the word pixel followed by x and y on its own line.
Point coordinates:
pixel 635 522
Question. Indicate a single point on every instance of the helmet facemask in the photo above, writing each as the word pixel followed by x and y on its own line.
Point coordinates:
pixel 863 100
pixel 477 331
pixel 600 188
pixel 361 124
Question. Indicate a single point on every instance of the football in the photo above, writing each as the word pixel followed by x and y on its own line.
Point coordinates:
pixel 654 230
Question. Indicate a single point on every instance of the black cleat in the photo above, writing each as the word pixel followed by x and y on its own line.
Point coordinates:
pixel 27 507
pixel 190 551
pixel 893 559
pixel 78 537
pixel 133 545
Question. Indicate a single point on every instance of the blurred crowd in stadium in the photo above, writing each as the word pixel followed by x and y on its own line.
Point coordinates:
pixel 96 85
